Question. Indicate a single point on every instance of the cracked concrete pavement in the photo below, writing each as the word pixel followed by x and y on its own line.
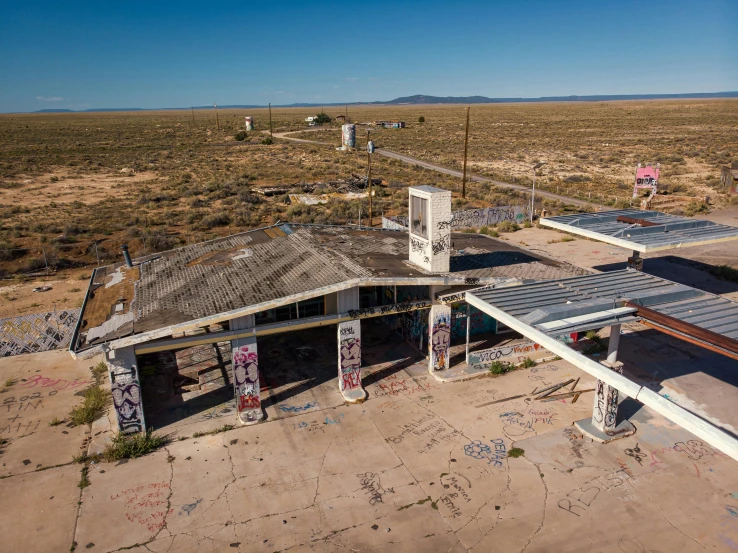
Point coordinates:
pixel 420 466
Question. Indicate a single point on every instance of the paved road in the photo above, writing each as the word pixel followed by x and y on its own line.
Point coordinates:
pixel 445 170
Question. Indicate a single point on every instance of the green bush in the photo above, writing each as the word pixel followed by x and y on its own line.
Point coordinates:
pixel 499 367
pixel 240 136
pixel 267 141
pixel 515 452
pixel 508 226
pixel 130 446
pixel 421 119
pixel 214 220
pixel 322 119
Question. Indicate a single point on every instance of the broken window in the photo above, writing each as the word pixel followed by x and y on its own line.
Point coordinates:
pixel 419 216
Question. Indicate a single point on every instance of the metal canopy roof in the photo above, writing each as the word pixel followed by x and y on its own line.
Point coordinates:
pixel 594 301
pixel 642 231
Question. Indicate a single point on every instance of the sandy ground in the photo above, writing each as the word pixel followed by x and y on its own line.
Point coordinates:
pixel 64 187
pixel 67 292
pixel 420 466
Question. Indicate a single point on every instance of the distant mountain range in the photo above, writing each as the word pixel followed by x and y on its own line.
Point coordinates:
pixel 422 99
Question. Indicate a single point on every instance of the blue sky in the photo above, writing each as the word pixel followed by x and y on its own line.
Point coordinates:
pixel 83 55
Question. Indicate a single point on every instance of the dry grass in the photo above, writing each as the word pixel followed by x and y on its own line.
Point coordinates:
pixel 155 181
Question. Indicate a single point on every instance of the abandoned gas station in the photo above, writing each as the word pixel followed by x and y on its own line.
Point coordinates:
pixel 211 318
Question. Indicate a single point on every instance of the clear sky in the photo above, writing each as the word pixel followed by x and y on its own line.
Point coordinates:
pixel 81 55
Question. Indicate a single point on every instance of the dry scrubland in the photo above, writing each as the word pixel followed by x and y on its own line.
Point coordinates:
pixel 155 180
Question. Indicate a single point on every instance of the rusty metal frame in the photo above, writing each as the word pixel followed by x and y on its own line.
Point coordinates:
pixel 684 329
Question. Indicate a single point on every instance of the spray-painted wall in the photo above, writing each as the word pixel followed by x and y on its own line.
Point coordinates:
pixel 349 355
pixel 440 337
pixel 470 218
pixel 480 322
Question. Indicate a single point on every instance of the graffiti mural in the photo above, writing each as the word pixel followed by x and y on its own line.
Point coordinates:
pixel 38 332
pixel 349 355
pixel 246 380
pixel 440 337
pixel 126 392
pixel 514 353
pixel 469 218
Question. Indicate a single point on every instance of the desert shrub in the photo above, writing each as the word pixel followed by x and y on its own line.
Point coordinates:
pixel 508 226
pixel 130 446
pixel 267 141
pixel 696 207
pixel 240 136
pixel 10 251
pixel 214 220
pixel 322 119
pixel 421 119
pixel 499 367
pixel 726 272
pixel 94 405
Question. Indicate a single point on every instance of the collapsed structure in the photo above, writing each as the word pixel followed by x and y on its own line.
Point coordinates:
pixel 288 278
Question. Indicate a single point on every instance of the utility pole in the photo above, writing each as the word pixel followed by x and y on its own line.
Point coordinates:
pixel 217 122
pixel 369 150
pixel 346 116
pixel 533 193
pixel 193 116
pixel 466 145
pixel 271 136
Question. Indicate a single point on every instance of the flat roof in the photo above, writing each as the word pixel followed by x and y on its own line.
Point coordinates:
pixel 595 301
pixel 642 231
pixel 279 265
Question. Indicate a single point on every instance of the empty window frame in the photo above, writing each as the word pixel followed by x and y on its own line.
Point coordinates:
pixel 419 216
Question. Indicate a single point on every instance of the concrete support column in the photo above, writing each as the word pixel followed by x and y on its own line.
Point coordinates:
pixel 245 359
pixel 349 361
pixel 468 330
pixel 439 339
pixel 125 388
pixel 613 343
pixel 635 261
pixel 605 413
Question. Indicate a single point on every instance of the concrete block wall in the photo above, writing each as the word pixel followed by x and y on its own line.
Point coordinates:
pixel 434 253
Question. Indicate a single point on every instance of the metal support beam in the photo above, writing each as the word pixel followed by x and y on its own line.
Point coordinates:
pixel 687 420
pixel 277 328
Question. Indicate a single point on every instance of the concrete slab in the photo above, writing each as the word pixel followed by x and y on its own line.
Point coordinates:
pixel 38 510
pixel 44 389
pixel 419 466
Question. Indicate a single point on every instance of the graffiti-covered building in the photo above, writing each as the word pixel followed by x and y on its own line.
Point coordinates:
pixel 230 294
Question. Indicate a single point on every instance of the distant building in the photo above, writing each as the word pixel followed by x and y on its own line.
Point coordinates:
pixel 341 118
pixel 729 177
pixel 390 124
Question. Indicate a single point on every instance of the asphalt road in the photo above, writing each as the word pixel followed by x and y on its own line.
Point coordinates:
pixel 445 170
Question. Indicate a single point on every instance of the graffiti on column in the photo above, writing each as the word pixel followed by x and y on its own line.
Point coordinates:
pixel 126 392
pixel 606 405
pixel 469 218
pixel 349 354
pixel 246 382
pixel 440 337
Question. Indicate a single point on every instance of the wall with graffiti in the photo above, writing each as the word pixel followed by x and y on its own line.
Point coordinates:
pixel 469 218
pixel 480 322
pixel 38 332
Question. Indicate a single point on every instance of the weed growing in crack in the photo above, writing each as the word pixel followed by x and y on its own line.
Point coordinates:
pixel 130 446
pixel 515 452
pixel 528 363
pixel 56 422
pixel 499 367
pixel 84 481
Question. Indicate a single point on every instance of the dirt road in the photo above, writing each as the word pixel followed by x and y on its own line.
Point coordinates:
pixel 445 170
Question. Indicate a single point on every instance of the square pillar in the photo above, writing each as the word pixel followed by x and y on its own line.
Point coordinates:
pixel 125 388
pixel 349 361
pixel 603 427
pixel 613 344
pixel 245 359
pixel 439 340
pixel 430 228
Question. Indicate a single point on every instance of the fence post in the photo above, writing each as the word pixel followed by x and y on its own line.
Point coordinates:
pixel 45 262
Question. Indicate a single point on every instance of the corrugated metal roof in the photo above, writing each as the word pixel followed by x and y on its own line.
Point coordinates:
pixel 593 293
pixel 662 231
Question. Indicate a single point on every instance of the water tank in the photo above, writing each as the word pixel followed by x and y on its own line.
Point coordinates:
pixel 348 135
